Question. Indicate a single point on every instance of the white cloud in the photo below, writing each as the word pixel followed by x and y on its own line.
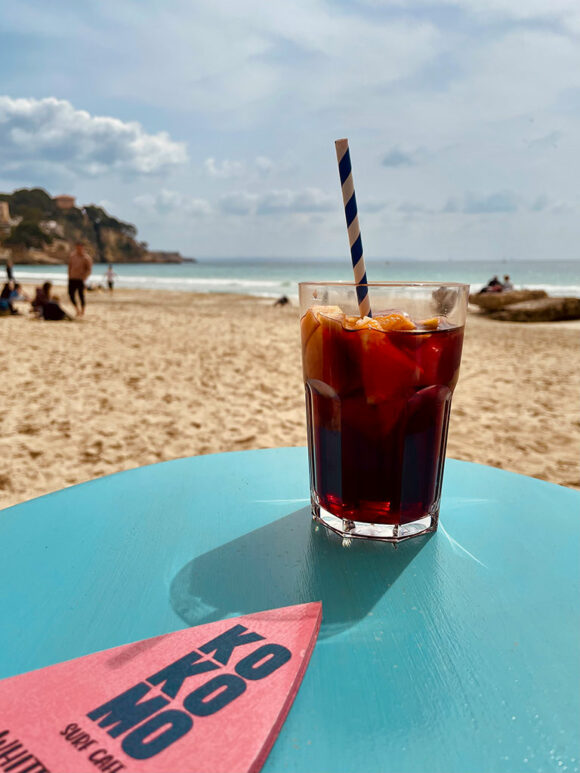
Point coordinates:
pixel 438 97
pixel 564 12
pixel 545 203
pixel 225 170
pixel 565 208
pixel 228 170
pixel 264 164
pixel 276 202
pixel 414 208
pixel 305 201
pixel 233 62
pixel 397 157
pixel 499 203
pixel 546 141
pixel 167 202
pixel 52 132
pixel 541 203
pixel 238 203
pixel 372 205
pixel 490 204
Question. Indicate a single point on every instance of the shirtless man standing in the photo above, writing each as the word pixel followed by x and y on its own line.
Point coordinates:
pixel 80 265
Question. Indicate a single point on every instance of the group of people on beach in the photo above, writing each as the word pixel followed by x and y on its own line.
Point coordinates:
pixel 495 286
pixel 11 293
pixel 45 305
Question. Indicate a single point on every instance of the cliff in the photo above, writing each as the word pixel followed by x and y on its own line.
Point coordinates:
pixel 36 228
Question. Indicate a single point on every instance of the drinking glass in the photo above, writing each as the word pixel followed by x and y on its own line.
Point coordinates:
pixel 378 399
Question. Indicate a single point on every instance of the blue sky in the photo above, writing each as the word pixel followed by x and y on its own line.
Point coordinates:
pixel 210 124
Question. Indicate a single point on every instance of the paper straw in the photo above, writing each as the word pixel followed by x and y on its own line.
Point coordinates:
pixel 354 239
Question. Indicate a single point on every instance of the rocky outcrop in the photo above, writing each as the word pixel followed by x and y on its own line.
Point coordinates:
pixel 497 301
pixel 35 228
pixel 163 256
pixel 113 251
pixel 540 310
pixel 51 254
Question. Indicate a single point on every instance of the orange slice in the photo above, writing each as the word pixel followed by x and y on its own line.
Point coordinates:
pixel 360 323
pixel 430 324
pixel 395 321
pixel 388 372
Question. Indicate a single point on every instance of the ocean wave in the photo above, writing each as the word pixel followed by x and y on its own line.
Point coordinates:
pixel 197 281
pixel 260 287
pixel 159 281
pixel 36 275
pixel 265 288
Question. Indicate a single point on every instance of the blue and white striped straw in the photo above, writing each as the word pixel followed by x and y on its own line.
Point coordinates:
pixel 354 239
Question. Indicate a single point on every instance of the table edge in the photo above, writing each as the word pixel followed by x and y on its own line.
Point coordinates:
pixel 181 459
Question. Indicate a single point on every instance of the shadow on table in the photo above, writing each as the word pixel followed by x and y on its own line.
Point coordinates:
pixel 290 561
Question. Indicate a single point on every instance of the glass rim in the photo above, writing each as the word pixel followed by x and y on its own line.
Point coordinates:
pixel 383 284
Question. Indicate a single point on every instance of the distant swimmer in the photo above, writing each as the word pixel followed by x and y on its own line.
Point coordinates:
pixel 110 277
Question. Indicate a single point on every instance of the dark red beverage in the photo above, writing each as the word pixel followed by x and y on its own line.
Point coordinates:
pixel 378 396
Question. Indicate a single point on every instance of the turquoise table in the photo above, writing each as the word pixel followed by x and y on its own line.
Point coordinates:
pixel 454 652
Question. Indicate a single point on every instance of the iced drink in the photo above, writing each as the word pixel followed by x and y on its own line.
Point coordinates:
pixel 378 397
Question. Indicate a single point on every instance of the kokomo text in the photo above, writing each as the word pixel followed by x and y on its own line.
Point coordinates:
pixel 149 727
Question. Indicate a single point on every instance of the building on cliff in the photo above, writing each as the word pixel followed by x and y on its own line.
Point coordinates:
pixel 4 217
pixel 6 222
pixel 64 201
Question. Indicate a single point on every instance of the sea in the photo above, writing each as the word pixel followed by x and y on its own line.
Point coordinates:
pixel 272 278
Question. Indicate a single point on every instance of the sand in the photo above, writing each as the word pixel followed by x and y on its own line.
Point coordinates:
pixel 149 376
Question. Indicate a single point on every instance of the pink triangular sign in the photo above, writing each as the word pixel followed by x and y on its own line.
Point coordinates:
pixel 208 698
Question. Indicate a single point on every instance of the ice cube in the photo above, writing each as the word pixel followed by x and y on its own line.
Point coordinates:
pixel 333 312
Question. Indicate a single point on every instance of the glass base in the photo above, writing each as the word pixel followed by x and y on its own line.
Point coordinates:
pixel 348 529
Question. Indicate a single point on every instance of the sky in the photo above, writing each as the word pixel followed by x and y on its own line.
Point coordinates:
pixel 210 124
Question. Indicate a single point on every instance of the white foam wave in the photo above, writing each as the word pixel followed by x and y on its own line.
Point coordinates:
pixel 267 288
pixel 160 281
pixel 40 274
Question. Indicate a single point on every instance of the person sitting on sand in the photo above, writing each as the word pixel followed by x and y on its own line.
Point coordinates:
pixel 18 294
pixel 41 297
pixel 493 286
pixel 53 311
pixel 282 301
pixel 4 296
pixel 507 285
pixel 6 306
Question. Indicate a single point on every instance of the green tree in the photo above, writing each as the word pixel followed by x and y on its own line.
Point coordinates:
pixel 27 234
pixel 32 204
pixel 99 216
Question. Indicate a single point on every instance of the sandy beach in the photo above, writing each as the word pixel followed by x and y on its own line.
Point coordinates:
pixel 149 376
